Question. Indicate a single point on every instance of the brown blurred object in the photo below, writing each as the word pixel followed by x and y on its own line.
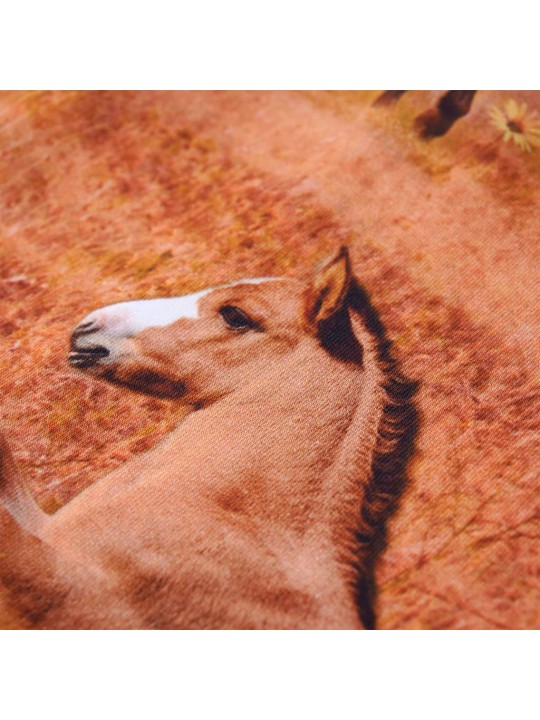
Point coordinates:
pixel 438 120
pixel 435 121
pixel 112 196
pixel 388 97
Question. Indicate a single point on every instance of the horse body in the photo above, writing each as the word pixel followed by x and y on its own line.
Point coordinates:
pixel 247 515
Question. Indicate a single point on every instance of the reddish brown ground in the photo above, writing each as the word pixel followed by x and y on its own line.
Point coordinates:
pixel 110 196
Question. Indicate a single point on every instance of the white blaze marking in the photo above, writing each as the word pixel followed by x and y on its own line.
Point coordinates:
pixel 249 281
pixel 132 317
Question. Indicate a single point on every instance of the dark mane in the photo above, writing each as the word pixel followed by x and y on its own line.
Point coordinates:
pixel 394 446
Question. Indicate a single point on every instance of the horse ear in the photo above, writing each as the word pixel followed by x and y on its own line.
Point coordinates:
pixel 328 289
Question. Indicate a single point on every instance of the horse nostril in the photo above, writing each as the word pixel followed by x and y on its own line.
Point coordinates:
pixel 85 328
pixel 87 356
pixel 97 350
pixel 83 352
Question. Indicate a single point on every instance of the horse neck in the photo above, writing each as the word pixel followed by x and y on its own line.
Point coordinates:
pixel 348 476
pixel 299 442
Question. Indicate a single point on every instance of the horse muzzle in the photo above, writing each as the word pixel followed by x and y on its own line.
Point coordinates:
pixel 84 350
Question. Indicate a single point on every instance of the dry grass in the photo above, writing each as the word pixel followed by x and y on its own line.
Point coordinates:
pixel 110 196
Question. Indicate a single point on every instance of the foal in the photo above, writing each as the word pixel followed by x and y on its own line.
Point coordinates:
pixel 261 508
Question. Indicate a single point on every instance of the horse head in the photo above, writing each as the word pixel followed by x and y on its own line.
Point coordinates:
pixel 201 347
pixel 272 502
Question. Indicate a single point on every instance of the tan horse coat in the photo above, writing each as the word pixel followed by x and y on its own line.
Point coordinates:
pixel 265 508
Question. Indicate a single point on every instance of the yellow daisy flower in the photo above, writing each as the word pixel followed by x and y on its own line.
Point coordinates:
pixel 517 125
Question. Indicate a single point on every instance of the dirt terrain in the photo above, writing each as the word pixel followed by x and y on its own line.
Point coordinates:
pixel 113 196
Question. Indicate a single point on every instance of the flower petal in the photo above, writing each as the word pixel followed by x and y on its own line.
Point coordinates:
pixel 511 109
pixel 522 111
pixel 498 119
pixel 521 142
pixel 533 129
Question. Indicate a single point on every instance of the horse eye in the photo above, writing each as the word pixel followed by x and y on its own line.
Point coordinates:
pixel 236 318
